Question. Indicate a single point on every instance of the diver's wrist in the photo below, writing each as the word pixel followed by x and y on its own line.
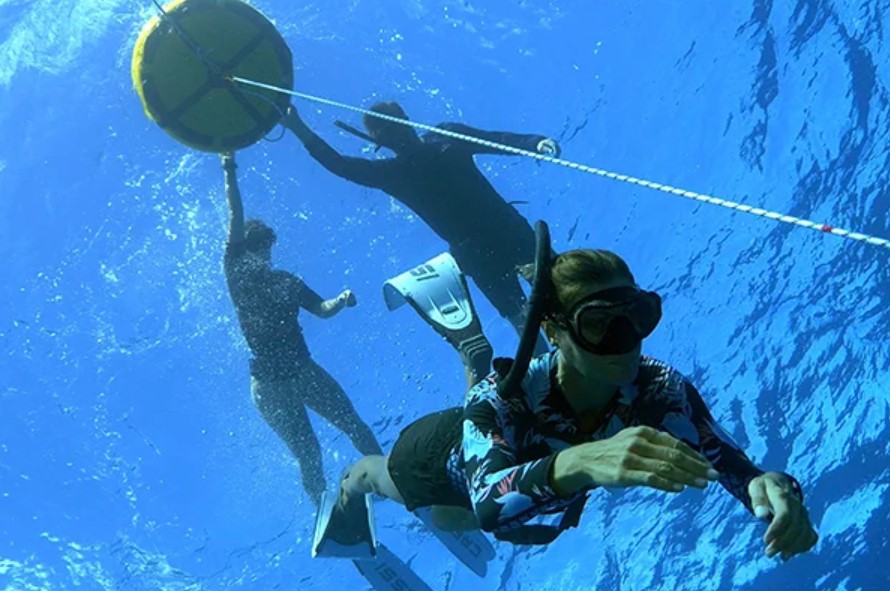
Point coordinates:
pixel 569 474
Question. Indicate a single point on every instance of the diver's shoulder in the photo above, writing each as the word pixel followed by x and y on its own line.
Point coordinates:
pixel 543 363
pixel 655 364
pixel 536 382
pixel 234 251
pixel 431 137
pixel 484 390
pixel 655 372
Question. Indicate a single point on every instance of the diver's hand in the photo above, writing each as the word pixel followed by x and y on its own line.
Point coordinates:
pixel 332 307
pixel 774 501
pixel 548 147
pixel 347 299
pixel 347 489
pixel 643 456
pixel 354 482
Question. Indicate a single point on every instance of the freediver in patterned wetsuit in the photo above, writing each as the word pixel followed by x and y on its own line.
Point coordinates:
pixel 592 413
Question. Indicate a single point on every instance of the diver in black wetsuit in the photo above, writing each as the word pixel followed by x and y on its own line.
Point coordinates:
pixel 437 178
pixel 284 377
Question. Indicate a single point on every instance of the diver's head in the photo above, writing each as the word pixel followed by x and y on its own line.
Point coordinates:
pixel 395 136
pixel 259 239
pixel 598 317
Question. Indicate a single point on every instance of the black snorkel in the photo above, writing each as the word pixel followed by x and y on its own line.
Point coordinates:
pixel 540 300
pixel 541 296
pixel 357 133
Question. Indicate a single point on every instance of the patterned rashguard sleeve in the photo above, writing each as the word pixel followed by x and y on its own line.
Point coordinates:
pixel 505 493
pixel 735 468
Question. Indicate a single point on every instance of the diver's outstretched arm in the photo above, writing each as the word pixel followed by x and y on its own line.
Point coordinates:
pixel 233 196
pixel 332 307
pixel 370 173
pixel 315 305
pixel 300 294
pixel 529 142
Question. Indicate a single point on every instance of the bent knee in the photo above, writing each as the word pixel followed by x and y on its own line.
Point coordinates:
pixel 366 472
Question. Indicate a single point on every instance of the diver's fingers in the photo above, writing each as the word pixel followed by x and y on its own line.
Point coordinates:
pixel 799 535
pixel 653 480
pixel 663 439
pixel 673 464
pixel 805 539
pixel 679 453
pixel 784 505
pixel 760 501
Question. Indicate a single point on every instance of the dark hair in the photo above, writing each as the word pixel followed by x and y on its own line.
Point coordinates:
pixel 392 108
pixel 575 270
pixel 258 236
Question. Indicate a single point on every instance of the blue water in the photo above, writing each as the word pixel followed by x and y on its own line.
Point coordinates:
pixel 131 457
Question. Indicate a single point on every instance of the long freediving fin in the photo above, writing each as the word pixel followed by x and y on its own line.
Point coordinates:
pixel 437 290
pixel 470 547
pixel 349 533
pixel 387 572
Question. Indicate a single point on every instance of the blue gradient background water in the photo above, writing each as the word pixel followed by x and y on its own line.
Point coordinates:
pixel 130 455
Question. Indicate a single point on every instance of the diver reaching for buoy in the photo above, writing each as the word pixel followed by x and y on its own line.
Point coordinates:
pixel 537 438
pixel 436 177
pixel 229 90
pixel 285 380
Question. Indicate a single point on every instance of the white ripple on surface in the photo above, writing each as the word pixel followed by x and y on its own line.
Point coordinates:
pixel 50 35
pixel 849 515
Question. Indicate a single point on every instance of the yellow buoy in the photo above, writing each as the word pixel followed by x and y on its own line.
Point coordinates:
pixel 180 66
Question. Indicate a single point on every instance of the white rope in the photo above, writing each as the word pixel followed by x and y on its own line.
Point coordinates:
pixel 788 219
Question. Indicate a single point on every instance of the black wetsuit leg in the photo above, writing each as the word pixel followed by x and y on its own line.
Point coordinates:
pixel 495 272
pixel 499 281
pixel 281 404
pixel 501 286
pixel 321 392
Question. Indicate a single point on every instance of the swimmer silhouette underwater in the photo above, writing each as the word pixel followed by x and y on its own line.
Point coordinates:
pixel 285 380
pixel 539 437
pixel 436 177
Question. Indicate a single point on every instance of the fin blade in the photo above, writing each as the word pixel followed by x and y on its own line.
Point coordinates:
pixel 344 534
pixel 388 573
